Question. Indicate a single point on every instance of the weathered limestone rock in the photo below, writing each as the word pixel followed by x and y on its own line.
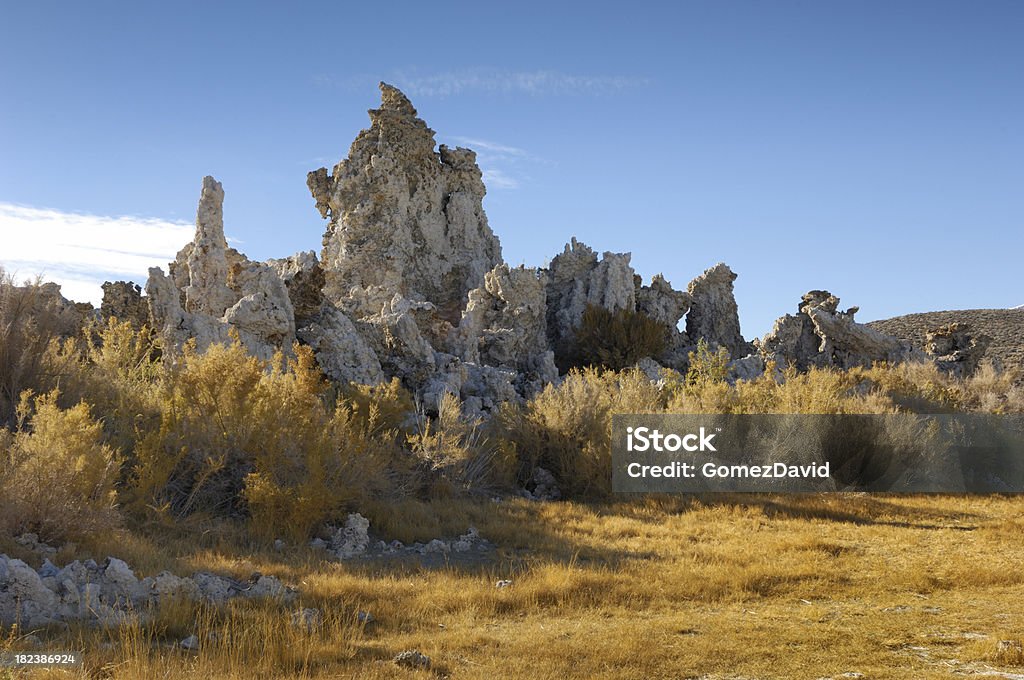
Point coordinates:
pixel 850 344
pixel 504 326
pixel 661 302
pixel 212 289
pixel 576 278
pixel 23 596
pixel 713 314
pixel 412 658
pixel 304 279
pixel 821 335
pixel 123 300
pixel 109 594
pixel 403 216
pixel 956 348
pixel 794 340
pixel 352 539
pixel 205 259
pixel 340 350
pixel 395 335
pixel 745 368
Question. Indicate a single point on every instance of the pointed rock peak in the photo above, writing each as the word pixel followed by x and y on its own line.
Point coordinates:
pixel 720 273
pixel 392 99
pixel 210 213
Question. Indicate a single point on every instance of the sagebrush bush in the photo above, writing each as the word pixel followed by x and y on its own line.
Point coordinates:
pixel 30 325
pixel 614 339
pixel 240 436
pixel 57 477
pixel 567 428
pixel 457 452
pixel 116 368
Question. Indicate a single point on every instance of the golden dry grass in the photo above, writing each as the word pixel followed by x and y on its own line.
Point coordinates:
pixel 718 587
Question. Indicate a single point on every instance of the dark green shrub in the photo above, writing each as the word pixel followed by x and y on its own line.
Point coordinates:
pixel 617 339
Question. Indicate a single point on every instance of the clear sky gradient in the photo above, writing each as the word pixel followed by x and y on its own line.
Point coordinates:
pixel 875 149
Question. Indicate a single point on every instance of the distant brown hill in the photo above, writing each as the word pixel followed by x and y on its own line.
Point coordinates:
pixel 1004 326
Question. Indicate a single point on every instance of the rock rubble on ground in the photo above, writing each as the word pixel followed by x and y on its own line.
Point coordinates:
pixel 110 593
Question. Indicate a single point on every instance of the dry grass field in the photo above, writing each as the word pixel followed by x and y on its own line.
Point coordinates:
pixel 200 462
pixel 716 587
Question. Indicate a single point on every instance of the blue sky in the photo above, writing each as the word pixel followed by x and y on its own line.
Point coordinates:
pixel 871 148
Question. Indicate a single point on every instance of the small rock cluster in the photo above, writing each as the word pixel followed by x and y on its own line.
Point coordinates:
pixel 110 593
pixel 956 348
pixel 821 335
pixel 412 658
pixel 353 540
pixel 542 486
pixel 123 300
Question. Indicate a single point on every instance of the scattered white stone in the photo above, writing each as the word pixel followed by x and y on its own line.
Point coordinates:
pixel 542 486
pixel 412 658
pixel 436 546
pixel 267 586
pixel 352 539
pixel 190 643
pixel 465 542
pixel 48 569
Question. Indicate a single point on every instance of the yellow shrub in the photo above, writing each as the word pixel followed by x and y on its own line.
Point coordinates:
pixel 458 453
pixel 57 480
pixel 567 428
pixel 243 436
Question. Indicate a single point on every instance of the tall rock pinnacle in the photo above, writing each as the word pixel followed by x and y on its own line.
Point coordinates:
pixel 403 218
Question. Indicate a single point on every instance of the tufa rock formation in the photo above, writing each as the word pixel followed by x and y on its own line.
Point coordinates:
pixel 956 348
pixel 110 594
pixel 123 300
pixel 411 285
pixel 713 314
pixel 213 289
pixel 403 218
pixel 821 335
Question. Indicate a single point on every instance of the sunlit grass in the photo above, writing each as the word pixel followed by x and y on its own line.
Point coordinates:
pixel 744 586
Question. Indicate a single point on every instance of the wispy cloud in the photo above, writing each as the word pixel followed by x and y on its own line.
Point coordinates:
pixel 482 145
pixel 498 81
pixel 504 166
pixel 523 82
pixel 495 178
pixel 81 251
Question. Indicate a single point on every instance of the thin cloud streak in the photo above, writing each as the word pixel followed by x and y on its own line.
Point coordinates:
pixel 497 179
pixel 81 251
pixel 482 145
pixel 492 81
pixel 520 82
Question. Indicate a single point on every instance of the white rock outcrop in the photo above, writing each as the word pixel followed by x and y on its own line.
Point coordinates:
pixel 714 316
pixel 403 216
pixel 821 335
pixel 576 278
pixel 212 289
pixel 110 594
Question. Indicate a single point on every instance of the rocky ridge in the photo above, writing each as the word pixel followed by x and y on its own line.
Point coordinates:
pixel 410 283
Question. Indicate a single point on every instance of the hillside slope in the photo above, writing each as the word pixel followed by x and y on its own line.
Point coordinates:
pixel 1004 326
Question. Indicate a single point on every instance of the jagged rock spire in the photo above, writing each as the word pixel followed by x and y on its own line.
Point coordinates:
pixel 404 219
